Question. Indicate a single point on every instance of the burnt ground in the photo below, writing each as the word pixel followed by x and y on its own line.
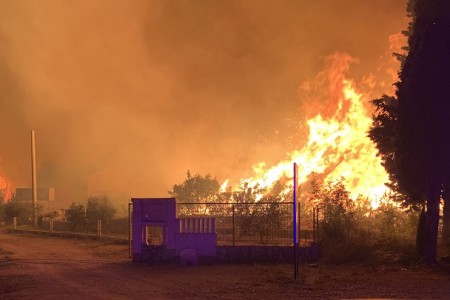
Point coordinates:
pixel 41 267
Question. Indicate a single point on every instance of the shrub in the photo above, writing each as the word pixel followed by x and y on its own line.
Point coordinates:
pixel 354 232
pixel 76 215
pixel 99 209
pixel 21 210
pixel 86 216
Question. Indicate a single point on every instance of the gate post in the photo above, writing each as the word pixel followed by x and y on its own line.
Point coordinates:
pixel 295 221
pixel 130 229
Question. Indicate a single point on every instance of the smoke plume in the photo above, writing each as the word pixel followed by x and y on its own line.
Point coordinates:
pixel 128 95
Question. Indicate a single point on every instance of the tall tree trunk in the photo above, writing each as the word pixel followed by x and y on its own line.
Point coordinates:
pixel 446 224
pixel 421 232
pixel 433 199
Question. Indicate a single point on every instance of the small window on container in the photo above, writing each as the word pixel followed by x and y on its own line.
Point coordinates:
pixel 155 235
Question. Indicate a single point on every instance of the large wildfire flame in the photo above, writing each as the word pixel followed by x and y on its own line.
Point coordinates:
pixel 337 145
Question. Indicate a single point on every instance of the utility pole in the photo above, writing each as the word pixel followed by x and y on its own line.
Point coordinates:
pixel 33 178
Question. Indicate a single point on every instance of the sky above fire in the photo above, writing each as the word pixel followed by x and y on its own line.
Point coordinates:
pixel 138 92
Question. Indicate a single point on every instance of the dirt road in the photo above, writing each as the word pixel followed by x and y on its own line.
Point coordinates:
pixel 39 267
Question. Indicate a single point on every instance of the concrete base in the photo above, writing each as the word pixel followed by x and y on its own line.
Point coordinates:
pixel 230 254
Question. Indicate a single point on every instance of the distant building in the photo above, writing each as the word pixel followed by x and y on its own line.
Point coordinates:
pixel 43 194
pixel 45 197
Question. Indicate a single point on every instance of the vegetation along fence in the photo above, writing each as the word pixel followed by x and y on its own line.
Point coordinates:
pixel 258 223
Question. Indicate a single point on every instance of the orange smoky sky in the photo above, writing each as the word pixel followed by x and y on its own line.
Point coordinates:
pixel 145 90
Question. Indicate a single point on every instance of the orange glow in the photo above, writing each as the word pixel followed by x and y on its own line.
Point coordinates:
pixel 337 146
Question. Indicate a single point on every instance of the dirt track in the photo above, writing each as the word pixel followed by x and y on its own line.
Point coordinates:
pixel 42 267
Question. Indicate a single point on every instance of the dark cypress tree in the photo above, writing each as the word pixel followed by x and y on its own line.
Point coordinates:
pixel 423 140
pixel 384 132
pixel 417 152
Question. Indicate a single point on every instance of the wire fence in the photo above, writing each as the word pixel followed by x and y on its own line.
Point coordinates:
pixel 258 223
pixel 115 228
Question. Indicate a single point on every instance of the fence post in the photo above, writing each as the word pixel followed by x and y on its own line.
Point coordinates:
pixel 232 206
pixel 51 224
pixel 296 222
pixel 99 227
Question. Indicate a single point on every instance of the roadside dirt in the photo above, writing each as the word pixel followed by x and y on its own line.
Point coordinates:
pixel 40 267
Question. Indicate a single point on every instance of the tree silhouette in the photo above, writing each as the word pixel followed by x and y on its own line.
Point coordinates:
pixel 412 132
pixel 195 189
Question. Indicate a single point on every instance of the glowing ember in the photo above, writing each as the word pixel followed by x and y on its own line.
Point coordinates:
pixel 337 145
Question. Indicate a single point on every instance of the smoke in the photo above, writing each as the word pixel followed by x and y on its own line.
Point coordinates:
pixel 129 95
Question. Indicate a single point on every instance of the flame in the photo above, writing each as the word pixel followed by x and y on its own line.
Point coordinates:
pixel 224 186
pixel 337 145
pixel 6 191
